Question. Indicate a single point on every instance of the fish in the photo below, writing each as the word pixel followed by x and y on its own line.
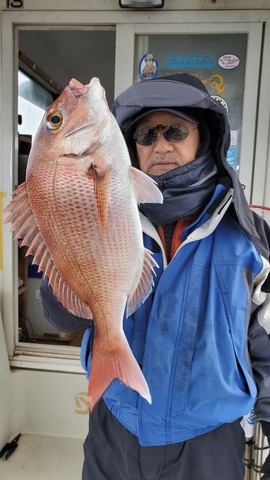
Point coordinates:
pixel 77 212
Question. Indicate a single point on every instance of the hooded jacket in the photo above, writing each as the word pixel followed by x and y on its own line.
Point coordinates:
pixel 201 338
pixel 187 93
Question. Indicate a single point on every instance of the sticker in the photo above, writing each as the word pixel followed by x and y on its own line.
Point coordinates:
pixel 232 150
pixel 216 82
pixel 148 67
pixel 228 61
pixel 232 157
pixel 222 101
pixel 251 417
pixel 234 134
pixel 82 403
pixel 247 423
pixel 190 61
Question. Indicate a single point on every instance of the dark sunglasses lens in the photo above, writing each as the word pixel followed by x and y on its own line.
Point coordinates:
pixel 176 133
pixel 145 137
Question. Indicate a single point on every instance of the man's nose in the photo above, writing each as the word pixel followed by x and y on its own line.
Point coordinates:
pixel 162 145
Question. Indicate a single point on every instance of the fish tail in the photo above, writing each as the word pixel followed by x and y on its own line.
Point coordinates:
pixel 115 363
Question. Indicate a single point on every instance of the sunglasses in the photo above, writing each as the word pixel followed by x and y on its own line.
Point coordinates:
pixel 172 133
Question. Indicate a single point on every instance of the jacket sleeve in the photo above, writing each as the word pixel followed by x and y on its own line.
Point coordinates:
pixel 259 344
pixel 259 349
pixel 56 314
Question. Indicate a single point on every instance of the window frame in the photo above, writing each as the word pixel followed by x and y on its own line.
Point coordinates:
pixel 128 25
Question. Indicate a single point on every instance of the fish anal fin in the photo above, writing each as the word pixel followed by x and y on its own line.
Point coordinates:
pixel 146 190
pixel 143 289
pixel 115 363
pixel 67 297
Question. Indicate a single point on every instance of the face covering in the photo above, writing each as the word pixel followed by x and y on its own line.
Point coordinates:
pixel 186 189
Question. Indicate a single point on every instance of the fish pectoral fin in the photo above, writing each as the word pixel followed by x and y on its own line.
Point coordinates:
pixel 143 289
pixel 102 181
pixel 146 190
pixel 26 229
pixel 113 363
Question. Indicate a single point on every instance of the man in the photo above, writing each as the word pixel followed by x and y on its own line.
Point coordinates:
pixel 201 338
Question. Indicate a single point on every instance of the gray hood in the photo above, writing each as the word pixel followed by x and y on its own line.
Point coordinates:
pixel 187 93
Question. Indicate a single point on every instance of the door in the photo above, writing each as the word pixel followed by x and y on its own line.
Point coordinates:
pixel 218 47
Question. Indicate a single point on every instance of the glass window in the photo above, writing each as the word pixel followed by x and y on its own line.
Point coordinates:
pixel 48 60
pixel 33 100
pixel 219 61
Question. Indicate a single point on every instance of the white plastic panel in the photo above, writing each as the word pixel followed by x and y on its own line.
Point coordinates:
pixel 128 25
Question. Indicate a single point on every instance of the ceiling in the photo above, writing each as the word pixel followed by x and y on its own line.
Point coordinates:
pixel 64 54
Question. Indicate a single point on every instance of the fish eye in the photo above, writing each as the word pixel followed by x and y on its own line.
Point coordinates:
pixel 54 120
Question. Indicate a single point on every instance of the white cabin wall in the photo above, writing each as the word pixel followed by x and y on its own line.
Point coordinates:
pixel 48 403
pixel 55 403
pixel 6 394
pixel 41 402
pixel 113 5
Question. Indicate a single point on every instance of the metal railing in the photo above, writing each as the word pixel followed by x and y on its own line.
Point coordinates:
pixel 256 451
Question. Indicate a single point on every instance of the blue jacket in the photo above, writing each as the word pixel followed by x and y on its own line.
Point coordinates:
pixel 194 353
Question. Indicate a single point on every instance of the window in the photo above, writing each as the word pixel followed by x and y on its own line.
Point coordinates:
pixel 81 54
pixel 219 60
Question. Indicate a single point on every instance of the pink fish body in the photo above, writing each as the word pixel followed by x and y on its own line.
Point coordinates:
pixel 77 212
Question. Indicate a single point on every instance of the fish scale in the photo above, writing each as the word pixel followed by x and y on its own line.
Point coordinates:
pixel 78 214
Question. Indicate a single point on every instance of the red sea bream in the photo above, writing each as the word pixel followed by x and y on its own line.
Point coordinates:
pixel 77 212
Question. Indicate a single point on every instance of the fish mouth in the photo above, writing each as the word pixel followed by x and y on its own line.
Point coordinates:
pixel 77 87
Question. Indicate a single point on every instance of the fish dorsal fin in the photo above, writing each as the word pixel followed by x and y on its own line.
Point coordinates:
pixel 25 227
pixel 143 289
pixel 146 190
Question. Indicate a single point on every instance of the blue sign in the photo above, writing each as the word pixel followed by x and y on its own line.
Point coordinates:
pixel 190 61
pixel 232 157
